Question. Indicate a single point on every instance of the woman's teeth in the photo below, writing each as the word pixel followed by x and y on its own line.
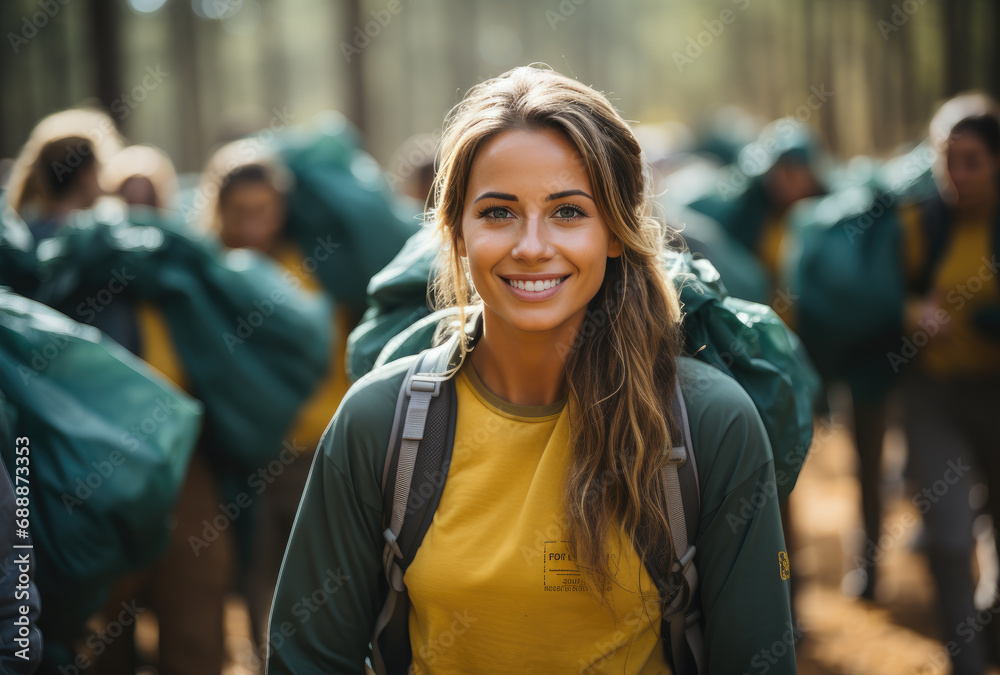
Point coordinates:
pixel 540 285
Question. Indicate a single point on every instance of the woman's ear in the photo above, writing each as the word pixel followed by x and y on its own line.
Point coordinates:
pixel 614 248
pixel 460 246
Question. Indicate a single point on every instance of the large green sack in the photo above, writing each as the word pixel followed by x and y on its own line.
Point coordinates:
pixel 341 211
pixel 745 340
pixel 252 342
pixel 847 273
pixel 108 442
pixel 735 195
pixel 741 273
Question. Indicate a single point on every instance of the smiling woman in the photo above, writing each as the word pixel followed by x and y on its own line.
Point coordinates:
pixel 536 258
pixel 554 516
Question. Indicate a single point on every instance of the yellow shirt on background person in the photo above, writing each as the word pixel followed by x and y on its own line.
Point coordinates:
pixel 159 351
pixel 315 414
pixel 966 284
pixel 493 588
pixel 770 250
pixel 158 348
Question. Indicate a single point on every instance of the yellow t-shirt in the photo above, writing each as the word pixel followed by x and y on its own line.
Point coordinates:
pixel 966 284
pixel 769 245
pixel 315 414
pixel 492 587
pixel 158 346
pixel 769 251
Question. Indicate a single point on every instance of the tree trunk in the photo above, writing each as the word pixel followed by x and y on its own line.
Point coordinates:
pixel 106 49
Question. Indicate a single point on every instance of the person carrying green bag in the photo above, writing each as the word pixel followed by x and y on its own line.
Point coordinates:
pixel 286 212
pixel 231 328
pixel 108 443
pixel 947 357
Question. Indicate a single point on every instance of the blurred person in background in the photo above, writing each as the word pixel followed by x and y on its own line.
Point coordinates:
pixel 249 212
pixel 950 392
pixel 141 175
pixel 413 173
pixel 58 169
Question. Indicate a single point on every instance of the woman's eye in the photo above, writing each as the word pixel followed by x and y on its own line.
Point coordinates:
pixel 567 212
pixel 497 213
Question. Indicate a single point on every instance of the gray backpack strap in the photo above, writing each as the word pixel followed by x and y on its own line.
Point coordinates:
pixel 682 616
pixel 416 465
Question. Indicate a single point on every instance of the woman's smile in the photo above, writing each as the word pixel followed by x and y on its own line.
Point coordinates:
pixel 534 287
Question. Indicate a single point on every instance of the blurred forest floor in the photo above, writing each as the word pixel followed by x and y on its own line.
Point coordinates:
pixel 843 635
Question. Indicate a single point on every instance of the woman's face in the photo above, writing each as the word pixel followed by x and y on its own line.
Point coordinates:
pixel 536 246
pixel 972 169
pixel 252 216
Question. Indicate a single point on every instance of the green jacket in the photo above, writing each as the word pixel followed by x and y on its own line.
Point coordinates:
pixel 332 585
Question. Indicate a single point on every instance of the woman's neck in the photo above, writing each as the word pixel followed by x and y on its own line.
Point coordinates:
pixel 521 367
pixel 982 210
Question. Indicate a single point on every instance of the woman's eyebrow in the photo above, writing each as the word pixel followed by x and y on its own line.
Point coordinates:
pixel 567 193
pixel 496 195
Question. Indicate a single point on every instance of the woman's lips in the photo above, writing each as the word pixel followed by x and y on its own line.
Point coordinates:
pixel 524 289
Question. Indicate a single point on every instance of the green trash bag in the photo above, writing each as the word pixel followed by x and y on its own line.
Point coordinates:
pixel 742 274
pixel 253 344
pixel 737 202
pixel 745 340
pixel 735 195
pixel 341 211
pixel 398 298
pixel 847 273
pixel 108 443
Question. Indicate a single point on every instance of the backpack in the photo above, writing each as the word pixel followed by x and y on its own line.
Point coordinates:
pixel 416 466
pixel 744 340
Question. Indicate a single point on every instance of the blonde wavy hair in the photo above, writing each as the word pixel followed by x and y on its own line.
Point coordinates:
pixel 142 161
pixel 621 369
pixel 56 139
